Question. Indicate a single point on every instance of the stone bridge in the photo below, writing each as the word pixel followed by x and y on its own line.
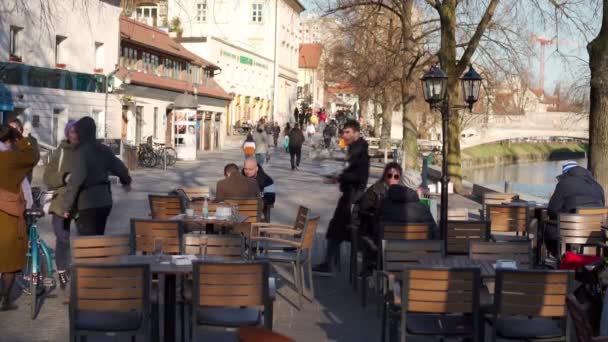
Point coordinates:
pixel 483 129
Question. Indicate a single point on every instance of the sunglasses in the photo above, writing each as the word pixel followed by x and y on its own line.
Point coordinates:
pixel 394 176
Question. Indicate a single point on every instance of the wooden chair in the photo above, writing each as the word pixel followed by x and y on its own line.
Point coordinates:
pixel 582 327
pixel 530 304
pixel 442 302
pixel 110 299
pixel 250 207
pixel 194 243
pixel 520 251
pixel 581 230
pixel 284 230
pixel 407 231
pixel 257 334
pixel 99 249
pixel 231 294
pixel 492 198
pixel 197 192
pixel 461 233
pixel 165 207
pixel 458 214
pixel 593 211
pixel 144 233
pixel 299 259
pixel 226 247
pixel 508 222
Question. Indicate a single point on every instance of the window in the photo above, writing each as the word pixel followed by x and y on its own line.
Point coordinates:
pixel 59 58
pixel 155 122
pixel 256 13
pixel 99 56
pixel 201 12
pixel 15 48
pixel 147 15
pixel 55 128
pixel 129 56
pixel 99 117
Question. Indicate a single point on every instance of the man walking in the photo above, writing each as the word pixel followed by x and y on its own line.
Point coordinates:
pixel 261 144
pixel 296 140
pixel 353 181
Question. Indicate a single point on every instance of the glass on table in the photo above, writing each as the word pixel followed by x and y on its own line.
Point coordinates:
pixel 158 249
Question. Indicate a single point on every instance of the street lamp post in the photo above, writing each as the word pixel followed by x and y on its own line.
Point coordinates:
pixel 434 87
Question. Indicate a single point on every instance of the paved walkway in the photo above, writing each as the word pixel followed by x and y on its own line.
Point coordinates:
pixel 335 315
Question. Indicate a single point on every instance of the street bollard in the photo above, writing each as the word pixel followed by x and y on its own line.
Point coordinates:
pixel 508 187
pixel 165 159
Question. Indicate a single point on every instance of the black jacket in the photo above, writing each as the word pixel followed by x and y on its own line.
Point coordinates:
pixel 296 138
pixel 266 186
pixel 575 189
pixel 402 205
pixel 356 173
pixel 89 185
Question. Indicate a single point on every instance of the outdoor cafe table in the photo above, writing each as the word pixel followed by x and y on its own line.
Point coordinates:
pixel 486 266
pixel 199 222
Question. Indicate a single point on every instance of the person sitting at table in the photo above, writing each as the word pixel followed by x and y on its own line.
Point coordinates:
pixel 402 205
pixel 235 185
pixel 265 183
pixel 576 188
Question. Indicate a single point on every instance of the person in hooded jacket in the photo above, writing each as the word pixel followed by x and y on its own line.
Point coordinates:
pixel 265 183
pixel 402 205
pixel 576 188
pixel 56 176
pixel 352 181
pixel 88 190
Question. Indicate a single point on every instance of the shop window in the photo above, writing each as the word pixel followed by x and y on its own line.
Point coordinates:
pixel 15 44
pixel 256 13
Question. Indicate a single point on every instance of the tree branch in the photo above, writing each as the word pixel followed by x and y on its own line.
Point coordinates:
pixel 474 42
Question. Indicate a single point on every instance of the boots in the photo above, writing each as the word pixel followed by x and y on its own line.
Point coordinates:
pixel 63 279
pixel 7 305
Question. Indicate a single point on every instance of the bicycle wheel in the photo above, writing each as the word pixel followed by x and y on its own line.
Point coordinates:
pixel 171 156
pixel 147 159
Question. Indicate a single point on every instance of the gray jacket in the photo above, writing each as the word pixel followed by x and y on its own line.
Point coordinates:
pixel 261 142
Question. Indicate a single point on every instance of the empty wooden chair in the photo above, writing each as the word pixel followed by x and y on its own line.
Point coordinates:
pixel 461 233
pixel 99 249
pixel 458 214
pixel 110 299
pixel 492 198
pixel 299 259
pixel 250 207
pixel 531 304
pixel 441 302
pixel 165 207
pixel 286 231
pixel 194 243
pixel 508 222
pixel 226 247
pixel 593 211
pixel 197 193
pixel 581 230
pixel 145 233
pixel 407 231
pixel 231 294
pixel 520 251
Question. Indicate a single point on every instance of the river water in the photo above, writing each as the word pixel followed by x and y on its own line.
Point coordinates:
pixel 536 179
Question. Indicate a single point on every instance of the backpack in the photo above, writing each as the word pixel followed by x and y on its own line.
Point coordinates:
pixel 286 142
pixel 249 148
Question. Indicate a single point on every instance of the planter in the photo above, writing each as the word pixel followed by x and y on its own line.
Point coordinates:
pixel 14 58
pixel 98 71
pixel 60 65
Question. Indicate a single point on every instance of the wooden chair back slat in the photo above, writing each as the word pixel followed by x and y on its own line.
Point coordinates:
pixel 301 217
pixel 310 233
pixel 460 233
pixel 532 293
pixel 250 207
pixel 229 247
pixel 504 218
pixel 580 229
pixel 458 214
pixel 399 253
pixel 145 232
pixel 194 243
pixel 520 251
pixel 197 192
pixel 593 211
pixel 231 284
pixel 165 207
pixel 441 290
pixel 110 287
pixel 492 198
pixel 408 231
pixel 99 249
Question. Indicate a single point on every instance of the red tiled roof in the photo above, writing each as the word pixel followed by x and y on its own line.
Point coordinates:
pixel 211 89
pixel 342 88
pixel 156 39
pixel 310 55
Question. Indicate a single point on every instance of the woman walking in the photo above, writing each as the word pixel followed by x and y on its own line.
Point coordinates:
pixel 56 176
pixel 88 188
pixel 18 156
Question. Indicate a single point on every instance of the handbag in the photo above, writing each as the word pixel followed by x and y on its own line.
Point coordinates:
pixel 47 197
pixel 286 142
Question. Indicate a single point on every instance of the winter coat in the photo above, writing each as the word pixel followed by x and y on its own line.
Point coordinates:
pixel 89 184
pixel 236 186
pixel 56 172
pixel 353 181
pixel 265 185
pixel 296 138
pixel 402 205
pixel 373 196
pixel 261 142
pixel 575 189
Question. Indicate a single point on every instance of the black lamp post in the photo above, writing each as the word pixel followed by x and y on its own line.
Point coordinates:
pixel 434 87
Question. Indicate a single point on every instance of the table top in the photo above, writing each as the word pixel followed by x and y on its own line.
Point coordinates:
pixel 486 266
pixel 164 265
pixel 199 220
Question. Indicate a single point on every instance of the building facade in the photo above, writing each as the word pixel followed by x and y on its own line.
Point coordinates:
pixel 154 71
pixel 255 45
pixel 55 69
pixel 311 83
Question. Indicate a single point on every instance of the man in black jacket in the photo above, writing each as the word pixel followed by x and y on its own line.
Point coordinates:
pixel 402 205
pixel 254 170
pixel 576 188
pixel 296 140
pixel 353 181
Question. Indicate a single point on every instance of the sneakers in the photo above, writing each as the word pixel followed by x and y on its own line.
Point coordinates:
pixel 322 270
pixel 63 279
pixel 7 305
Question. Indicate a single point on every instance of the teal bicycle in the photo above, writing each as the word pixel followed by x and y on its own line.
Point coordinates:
pixel 37 279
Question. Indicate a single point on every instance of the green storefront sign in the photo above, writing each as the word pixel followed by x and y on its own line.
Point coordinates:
pixel 243 59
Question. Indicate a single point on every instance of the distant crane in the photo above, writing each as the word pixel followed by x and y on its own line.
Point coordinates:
pixel 543 42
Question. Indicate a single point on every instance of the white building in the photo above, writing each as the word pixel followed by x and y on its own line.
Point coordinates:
pixel 310 75
pixel 255 43
pixel 315 29
pixel 53 65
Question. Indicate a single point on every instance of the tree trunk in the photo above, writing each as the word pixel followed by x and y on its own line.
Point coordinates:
pixel 364 106
pixel 410 138
pixel 377 120
pixel 408 118
pixel 387 117
pixel 598 111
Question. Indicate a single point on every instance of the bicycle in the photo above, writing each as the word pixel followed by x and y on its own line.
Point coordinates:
pixel 37 278
pixel 160 150
pixel 146 156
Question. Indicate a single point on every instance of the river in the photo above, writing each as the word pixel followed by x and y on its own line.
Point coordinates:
pixel 536 179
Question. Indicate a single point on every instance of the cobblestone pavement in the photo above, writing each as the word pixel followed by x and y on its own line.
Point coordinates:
pixel 336 313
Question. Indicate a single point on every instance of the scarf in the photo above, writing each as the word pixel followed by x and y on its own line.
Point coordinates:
pixel 25 183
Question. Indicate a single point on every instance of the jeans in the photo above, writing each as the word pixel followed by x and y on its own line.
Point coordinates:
pixel 260 158
pixel 295 151
pixel 333 249
pixel 61 226
pixel 92 221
